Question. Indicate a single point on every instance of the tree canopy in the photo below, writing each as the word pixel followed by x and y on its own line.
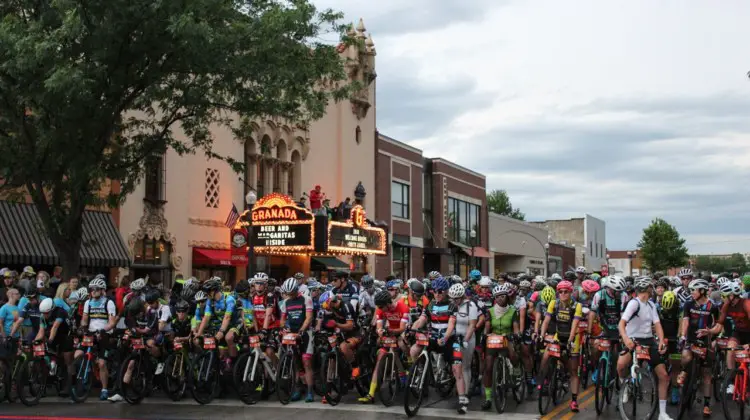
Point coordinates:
pixel 89 90
pixel 662 247
pixel 714 264
pixel 499 202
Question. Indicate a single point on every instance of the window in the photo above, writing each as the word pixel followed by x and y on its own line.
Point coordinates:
pixel 151 252
pixel 399 200
pixel 591 248
pixel 212 188
pixel 277 177
pixel 290 181
pixel 358 135
pixel 463 217
pixel 155 178
pixel 401 260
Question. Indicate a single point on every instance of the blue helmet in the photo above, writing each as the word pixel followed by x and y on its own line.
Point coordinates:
pixel 391 284
pixel 440 284
pixel 324 297
pixel 475 274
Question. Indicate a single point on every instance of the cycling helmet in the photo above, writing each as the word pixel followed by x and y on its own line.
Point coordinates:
pixel 367 282
pixel 30 292
pixel 525 284
pixel 485 282
pixel 475 275
pixel 698 284
pixel 83 293
pixel 289 286
pixel 663 282
pixel 590 286
pixel 242 288
pixel 200 296
pixel 580 270
pixel 212 285
pixel 73 298
pixel 383 298
pixel 379 284
pixel 565 285
pixel 260 278
pixel 440 284
pixel 46 306
pixel 721 280
pixel 617 283
pixel 188 291
pixel 685 272
pixel 676 282
pixel 137 285
pixel 152 295
pixel 555 276
pixel 539 285
pixel 643 283
pixel 392 284
pixel 457 291
pixel 746 280
pixel 98 283
pixel 416 287
pixel 501 290
pixel 595 277
pixel 730 288
pixel 548 294
pixel 455 279
pixel 314 285
pixel 299 276
pixel 324 298
pixel 570 275
pixel 433 275
pixel 668 300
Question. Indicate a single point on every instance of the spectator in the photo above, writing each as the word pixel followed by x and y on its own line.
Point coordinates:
pixel 7 284
pixel 327 208
pixel 316 197
pixel 42 284
pixel 56 279
pixel 75 283
pixel 27 275
pixel 120 292
pixel 61 296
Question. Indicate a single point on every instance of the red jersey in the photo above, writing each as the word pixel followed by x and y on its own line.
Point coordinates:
pixel 260 304
pixel 394 315
pixel 740 314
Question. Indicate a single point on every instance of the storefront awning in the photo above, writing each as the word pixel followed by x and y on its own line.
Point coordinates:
pixel 403 244
pixel 331 263
pixel 215 257
pixel 24 242
pixel 477 251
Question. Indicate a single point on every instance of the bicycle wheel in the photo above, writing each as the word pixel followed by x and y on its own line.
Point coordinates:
pixel 546 395
pixel 519 384
pixel 475 387
pixel 176 370
pixel 84 378
pixel 583 368
pixel 689 390
pixel 601 387
pixel 499 378
pixel 419 380
pixel 286 377
pixel 389 380
pixel 332 378
pixel 134 390
pixel 730 401
pixel 5 380
pixel 717 375
pixel 31 381
pixel 641 395
pixel 362 382
pixel 205 378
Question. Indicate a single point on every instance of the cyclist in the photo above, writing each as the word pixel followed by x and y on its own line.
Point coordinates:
pixel 683 291
pixel 349 291
pixel 335 315
pixel 396 314
pixel 547 295
pixel 639 321
pixel 662 285
pixel 441 314
pixel 502 320
pixel 738 309
pixel 99 315
pixel 243 291
pixel 669 314
pixel 297 317
pixel 161 315
pixel 200 308
pixel 565 314
pixel 221 318
pixel 607 306
pixel 393 288
pixel 700 321
pixel 367 297
pixel 56 322
pixel 467 314
pixel 267 314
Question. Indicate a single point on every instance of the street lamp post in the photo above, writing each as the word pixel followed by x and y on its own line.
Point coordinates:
pixel 473 235
pixel 546 259
pixel 631 255
pixel 251 198
pixel 607 256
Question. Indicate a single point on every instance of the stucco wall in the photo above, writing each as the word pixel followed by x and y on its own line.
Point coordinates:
pixel 596 243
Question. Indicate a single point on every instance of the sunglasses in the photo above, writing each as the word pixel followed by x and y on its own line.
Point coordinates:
pixel 440 292
pixel 179 311
pixel 563 292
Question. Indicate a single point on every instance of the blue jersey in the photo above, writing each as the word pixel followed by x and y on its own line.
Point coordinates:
pixel 248 311
pixel 217 310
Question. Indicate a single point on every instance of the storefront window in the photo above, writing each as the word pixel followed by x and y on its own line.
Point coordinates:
pixel 401 262
pixel 461 264
pixel 203 274
pixel 400 200
pixel 151 252
pixel 462 218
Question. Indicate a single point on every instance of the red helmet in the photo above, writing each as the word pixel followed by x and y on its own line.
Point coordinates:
pixel 590 286
pixel 565 285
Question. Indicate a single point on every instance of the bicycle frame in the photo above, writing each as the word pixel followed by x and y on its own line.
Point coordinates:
pixel 259 357
pixel 742 357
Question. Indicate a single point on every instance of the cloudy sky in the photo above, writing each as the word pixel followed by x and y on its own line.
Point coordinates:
pixel 626 110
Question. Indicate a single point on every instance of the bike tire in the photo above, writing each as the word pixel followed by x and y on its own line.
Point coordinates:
pixel 546 401
pixel 286 377
pixel 176 370
pixel 416 393
pixel 728 403
pixel 6 378
pixel 601 386
pixel 204 391
pixel 135 391
pixel 84 379
pixel 333 383
pixel 362 382
pixel 718 372
pixel 519 386
pixel 584 369
pixel 31 377
pixel 687 396
pixel 388 385
pixel 499 389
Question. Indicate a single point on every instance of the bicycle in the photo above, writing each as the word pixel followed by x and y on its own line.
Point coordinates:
pixel 286 375
pixel 694 378
pixel 739 377
pixel 584 364
pixel 33 374
pixel 504 376
pixel 719 368
pixel 389 375
pixel 430 368
pixel 83 367
pixel 336 372
pixel 632 389
pixel 553 388
pixel 16 352
pixel 141 372
pixel 606 381
pixel 205 373
pixel 254 373
pixel 176 370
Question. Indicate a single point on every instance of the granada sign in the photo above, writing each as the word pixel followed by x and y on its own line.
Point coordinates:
pixel 277 224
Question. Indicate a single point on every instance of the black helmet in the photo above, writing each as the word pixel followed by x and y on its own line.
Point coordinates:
pixel 30 292
pixel 211 285
pixel 416 287
pixel 182 306
pixel 271 283
pixel 152 296
pixel 188 291
pixel 570 275
pixel 383 298
pixel 135 308
pixel 367 281
pixel 242 288
pixel 629 279
pixel 663 282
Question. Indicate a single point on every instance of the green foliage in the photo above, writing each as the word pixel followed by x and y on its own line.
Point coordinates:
pixel 661 247
pixel 499 202
pixel 734 263
pixel 89 90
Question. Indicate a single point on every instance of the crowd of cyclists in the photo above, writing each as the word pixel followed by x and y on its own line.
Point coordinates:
pixel 206 339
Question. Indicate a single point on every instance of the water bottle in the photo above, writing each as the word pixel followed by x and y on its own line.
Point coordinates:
pixel 52 367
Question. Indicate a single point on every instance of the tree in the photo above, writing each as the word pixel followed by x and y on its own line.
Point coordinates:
pixel 717 265
pixel 499 202
pixel 662 247
pixel 90 90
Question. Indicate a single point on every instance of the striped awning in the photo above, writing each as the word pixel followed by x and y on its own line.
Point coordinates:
pixel 24 242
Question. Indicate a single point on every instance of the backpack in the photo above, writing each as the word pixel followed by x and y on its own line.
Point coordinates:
pixel 635 314
pixel 106 303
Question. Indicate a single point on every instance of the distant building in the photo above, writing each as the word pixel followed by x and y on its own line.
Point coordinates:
pixel 517 246
pixel 586 234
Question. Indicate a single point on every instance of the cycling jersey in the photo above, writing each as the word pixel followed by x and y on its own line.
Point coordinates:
pixel 699 317
pixel 439 313
pixel 502 322
pixel 349 293
pixel 248 312
pixel 366 302
pixel 162 314
pixel 563 315
pixel 739 312
pixel 99 311
pixel 670 322
pixel 609 308
pixel 296 310
pixel 416 307
pixel 342 315
pixel 260 304
pixel 181 328
pixel 466 312
pixel 394 315
pixel 217 310
pixel 59 315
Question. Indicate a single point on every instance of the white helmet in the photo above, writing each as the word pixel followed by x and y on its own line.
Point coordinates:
pixel 525 284
pixel 721 281
pixel 289 286
pixel 556 276
pixel 137 284
pixel 730 288
pixel 615 283
pixel 676 282
pixel 200 296
pixel 485 281
pixel 581 270
pixel 685 272
pixel 98 283
pixel 433 275
pixel 501 289
pixel 698 284
pixel 643 283
pixel 46 306
pixel 73 297
pixel 83 293
pixel 456 291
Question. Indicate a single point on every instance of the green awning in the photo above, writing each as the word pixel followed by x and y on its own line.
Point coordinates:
pixel 331 263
